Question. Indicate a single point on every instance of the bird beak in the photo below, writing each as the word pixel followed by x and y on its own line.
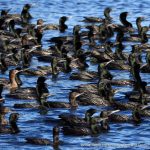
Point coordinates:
pixel 84 27
pixel 37 26
pixel 43 28
pixel 75 59
pixel 63 60
pixel 144 107
pixel 9 55
pixel 114 111
pixel 13 40
pixel 109 62
pixel 23 70
pixel 21 49
pixel 143 66
pixel 31 50
pixel 32 38
pixel 79 94
pixel 50 95
pixel 117 91
pixel 34 48
pixel 102 119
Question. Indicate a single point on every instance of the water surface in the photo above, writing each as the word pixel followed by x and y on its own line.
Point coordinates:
pixel 31 122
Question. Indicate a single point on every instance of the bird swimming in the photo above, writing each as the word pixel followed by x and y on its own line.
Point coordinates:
pixel 13 129
pixel 74 55
pixel 43 141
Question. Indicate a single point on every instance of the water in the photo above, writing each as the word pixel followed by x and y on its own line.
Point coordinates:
pixel 121 136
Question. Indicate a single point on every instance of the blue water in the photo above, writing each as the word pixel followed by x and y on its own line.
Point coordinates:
pixel 31 122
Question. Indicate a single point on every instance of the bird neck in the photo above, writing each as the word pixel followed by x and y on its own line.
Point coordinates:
pixel 142 100
pixel 136 73
pixel 16 57
pixel 14 127
pixel 136 116
pixel 95 128
pixel 73 102
pixel 148 59
pixel 4 13
pixel 61 23
pixel 76 38
pixel 105 125
pixel 138 23
pixel 18 80
pixel 3 121
pixel 32 31
pixel 107 15
pixel 54 66
pixel 87 117
pixel 3 62
pixel 67 67
pixel 24 42
pixel 119 37
pixel 55 136
pixel 105 74
pixel 12 28
pixel 25 15
pixel 108 48
pixel 39 35
pixel 13 82
pixel 144 38
pixel 24 12
pixel 90 33
pixel 119 48
pixel 26 59
pixel 62 26
pixel 105 90
pixel 42 91
pixel 124 21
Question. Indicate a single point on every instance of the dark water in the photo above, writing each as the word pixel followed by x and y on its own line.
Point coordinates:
pixel 121 136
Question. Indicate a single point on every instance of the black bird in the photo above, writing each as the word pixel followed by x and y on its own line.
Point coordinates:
pixel 43 141
pixel 96 19
pixel 25 15
pixel 123 19
pixel 13 129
